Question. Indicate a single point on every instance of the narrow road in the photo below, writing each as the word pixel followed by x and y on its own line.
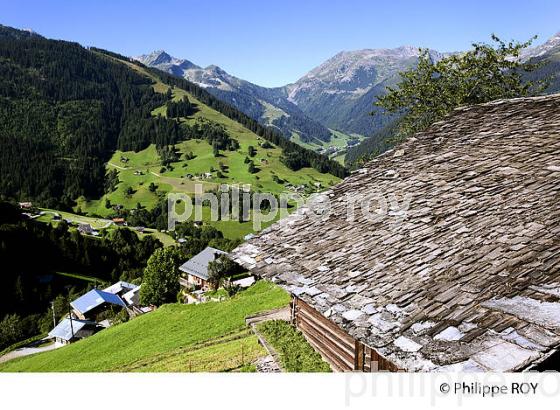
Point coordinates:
pixel 117 166
pixel 26 351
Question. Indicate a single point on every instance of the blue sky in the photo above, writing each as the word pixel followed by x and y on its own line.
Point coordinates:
pixel 272 43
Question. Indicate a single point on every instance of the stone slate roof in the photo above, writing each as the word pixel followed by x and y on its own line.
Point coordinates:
pixel 198 264
pixel 468 278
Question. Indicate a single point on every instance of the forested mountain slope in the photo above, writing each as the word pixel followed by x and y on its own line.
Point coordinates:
pixel 266 105
pixel 65 110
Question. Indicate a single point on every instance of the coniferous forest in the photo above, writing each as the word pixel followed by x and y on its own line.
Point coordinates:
pixel 33 252
pixel 64 109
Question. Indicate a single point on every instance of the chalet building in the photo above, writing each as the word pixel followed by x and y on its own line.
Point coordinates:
pixel 465 277
pixel 71 330
pixel 120 288
pixel 196 269
pixel 94 302
pixel 119 221
pixel 86 229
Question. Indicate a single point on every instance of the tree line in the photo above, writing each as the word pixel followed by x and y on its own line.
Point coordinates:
pixel 63 111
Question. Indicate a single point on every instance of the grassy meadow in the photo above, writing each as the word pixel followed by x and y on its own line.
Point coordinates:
pixel 176 337
pixel 137 170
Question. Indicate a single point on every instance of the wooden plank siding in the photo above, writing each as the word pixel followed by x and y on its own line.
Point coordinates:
pixel 338 348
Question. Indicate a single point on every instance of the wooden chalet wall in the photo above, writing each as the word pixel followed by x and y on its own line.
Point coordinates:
pixel 338 348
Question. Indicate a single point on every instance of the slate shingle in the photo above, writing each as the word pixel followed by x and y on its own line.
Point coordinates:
pixel 482 230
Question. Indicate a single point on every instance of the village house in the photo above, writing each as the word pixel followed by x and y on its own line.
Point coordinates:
pixel 95 301
pixel 71 330
pixel 119 221
pixel 87 229
pixel 464 275
pixel 88 306
pixel 196 268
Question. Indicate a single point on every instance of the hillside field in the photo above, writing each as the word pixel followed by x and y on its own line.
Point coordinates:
pixel 176 337
pixel 338 140
pixel 137 170
pixel 99 224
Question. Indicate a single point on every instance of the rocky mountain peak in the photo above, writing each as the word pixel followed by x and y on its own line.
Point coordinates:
pixel 160 57
pixel 551 43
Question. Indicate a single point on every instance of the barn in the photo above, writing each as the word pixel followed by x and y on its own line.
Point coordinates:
pixel 442 254
pixel 71 329
pixel 95 301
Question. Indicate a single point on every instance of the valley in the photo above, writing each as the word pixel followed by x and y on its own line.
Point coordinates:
pixel 93 142
pixel 197 163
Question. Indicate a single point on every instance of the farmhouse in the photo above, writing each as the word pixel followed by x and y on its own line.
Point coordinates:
pixel 85 229
pixel 94 302
pixel 120 288
pixel 456 264
pixel 119 221
pixel 70 330
pixel 196 269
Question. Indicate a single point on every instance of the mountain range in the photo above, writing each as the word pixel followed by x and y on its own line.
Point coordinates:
pixel 336 95
pixel 267 105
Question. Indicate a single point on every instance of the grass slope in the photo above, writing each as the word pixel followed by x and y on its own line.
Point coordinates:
pixel 339 140
pixel 296 355
pixel 85 278
pixel 100 224
pixel 167 339
pixel 144 167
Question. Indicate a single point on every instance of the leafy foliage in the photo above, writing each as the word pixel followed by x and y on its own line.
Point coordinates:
pixel 160 283
pixel 431 90
pixel 221 268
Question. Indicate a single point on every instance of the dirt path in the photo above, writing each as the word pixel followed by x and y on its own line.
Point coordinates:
pixel 118 166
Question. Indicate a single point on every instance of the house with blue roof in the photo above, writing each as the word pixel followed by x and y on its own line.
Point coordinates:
pixel 94 302
pixel 70 330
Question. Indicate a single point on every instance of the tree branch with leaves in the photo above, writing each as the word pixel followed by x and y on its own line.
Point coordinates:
pixel 428 92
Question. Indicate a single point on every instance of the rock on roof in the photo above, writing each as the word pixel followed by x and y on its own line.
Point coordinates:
pixel 466 278
pixel 95 298
pixel 198 264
